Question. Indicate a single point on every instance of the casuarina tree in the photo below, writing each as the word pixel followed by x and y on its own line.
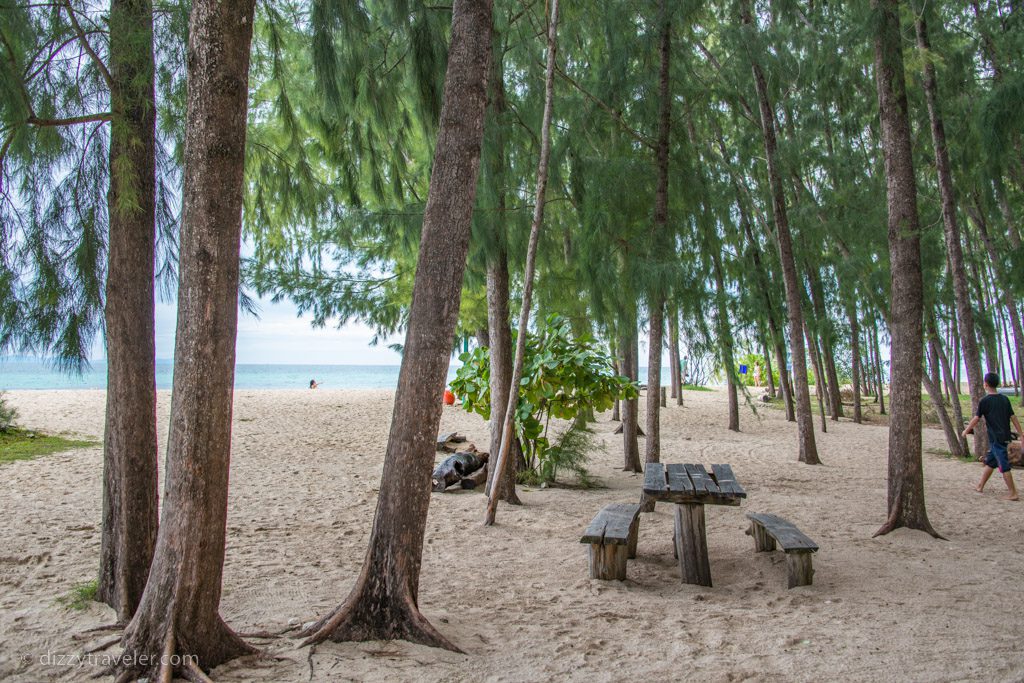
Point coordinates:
pixel 179 610
pixel 383 604
pixel 906 475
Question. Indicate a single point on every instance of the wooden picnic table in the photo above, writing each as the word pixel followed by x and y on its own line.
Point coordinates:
pixel 691 487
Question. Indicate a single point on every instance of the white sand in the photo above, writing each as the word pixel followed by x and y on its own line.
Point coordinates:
pixel 516 597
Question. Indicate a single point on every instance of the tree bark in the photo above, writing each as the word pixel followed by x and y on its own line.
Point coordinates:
pixel 851 315
pixel 808 452
pixel 961 289
pixel 906 503
pixel 879 377
pixel 498 319
pixel 725 340
pixel 827 333
pixel 673 352
pixel 656 295
pixel 819 392
pixel 531 260
pixel 178 613
pixel 630 407
pixel 1004 280
pixel 768 367
pixel 383 604
pixel 130 486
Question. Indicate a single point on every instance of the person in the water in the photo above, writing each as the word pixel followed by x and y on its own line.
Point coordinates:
pixel 313 384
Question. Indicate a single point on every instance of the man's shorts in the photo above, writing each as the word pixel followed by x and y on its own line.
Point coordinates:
pixel 997 457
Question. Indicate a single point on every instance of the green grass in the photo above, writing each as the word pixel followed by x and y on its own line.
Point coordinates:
pixel 80 596
pixel 23 444
pixel 696 387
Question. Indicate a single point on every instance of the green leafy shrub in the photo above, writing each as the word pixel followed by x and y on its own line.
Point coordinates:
pixel 563 377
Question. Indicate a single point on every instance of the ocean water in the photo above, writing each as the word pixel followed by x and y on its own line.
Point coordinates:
pixel 37 375
pixel 28 374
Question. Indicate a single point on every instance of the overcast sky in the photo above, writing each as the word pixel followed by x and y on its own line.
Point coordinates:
pixel 280 337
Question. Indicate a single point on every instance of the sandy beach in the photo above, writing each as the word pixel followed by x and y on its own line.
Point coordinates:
pixel 517 597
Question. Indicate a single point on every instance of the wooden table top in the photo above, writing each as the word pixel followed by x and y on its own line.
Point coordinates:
pixel 688 483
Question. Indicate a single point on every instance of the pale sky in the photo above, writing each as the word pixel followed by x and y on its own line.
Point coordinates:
pixel 280 337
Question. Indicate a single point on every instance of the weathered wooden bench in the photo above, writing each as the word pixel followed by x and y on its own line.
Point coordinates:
pixel 768 530
pixel 612 536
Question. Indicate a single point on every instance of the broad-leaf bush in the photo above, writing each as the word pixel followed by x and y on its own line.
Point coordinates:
pixel 563 377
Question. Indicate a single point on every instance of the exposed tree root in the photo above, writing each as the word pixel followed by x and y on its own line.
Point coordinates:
pixel 894 522
pixel 116 626
pixel 104 645
pixel 268 634
pixel 178 658
pixel 365 618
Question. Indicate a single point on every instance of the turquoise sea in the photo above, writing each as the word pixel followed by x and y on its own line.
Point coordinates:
pixel 22 374
pixel 34 374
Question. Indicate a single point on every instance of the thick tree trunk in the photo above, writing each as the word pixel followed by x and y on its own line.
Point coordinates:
pixel 656 295
pixel 673 352
pixel 383 604
pixel 178 613
pixel 961 289
pixel 130 487
pixel 906 504
pixel 630 407
pixel 808 452
pixel 537 222
pixel 855 371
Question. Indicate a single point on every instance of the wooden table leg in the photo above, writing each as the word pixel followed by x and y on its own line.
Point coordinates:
pixel 692 544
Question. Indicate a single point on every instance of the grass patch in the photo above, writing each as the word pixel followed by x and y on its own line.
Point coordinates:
pixel 949 456
pixel 24 444
pixel 696 387
pixel 80 596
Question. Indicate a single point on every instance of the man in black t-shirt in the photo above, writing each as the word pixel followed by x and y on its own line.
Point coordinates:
pixel 998 413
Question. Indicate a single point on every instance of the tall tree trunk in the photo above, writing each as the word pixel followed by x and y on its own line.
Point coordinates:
pixel 961 289
pixel 531 261
pixel 178 613
pixel 768 367
pixel 652 444
pixel 660 241
pixel 617 369
pixel 384 603
pixel 906 504
pixel 808 451
pixel 501 365
pixel 1005 281
pixel 130 487
pixel 630 407
pixel 937 359
pixel 673 351
pixel 819 391
pixel 828 337
pixel 498 320
pixel 725 340
pixel 879 377
pixel 851 315
pixel 952 437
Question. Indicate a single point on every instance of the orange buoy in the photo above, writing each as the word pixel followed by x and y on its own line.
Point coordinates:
pixel 449 398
